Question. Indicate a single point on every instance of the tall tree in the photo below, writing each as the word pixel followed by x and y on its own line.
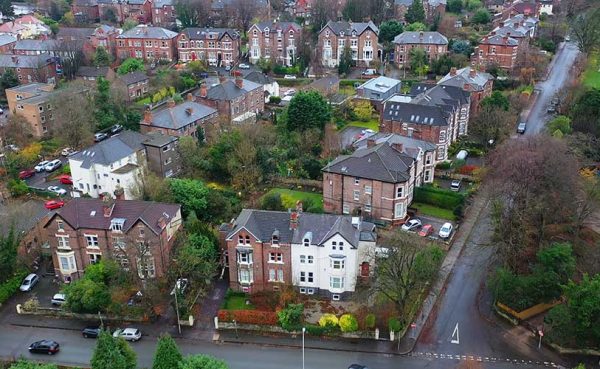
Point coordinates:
pixel 322 12
pixel 418 61
pixel 167 355
pixel 586 31
pixel 202 362
pixel 6 8
pixel 101 57
pixel 308 110
pixel 415 12
pixel 192 13
pixel 71 56
pixel 112 353
pixel 190 193
pixel 346 61
pixel 131 65
pixel 8 79
pixel 72 123
pixel 387 32
pixel 9 243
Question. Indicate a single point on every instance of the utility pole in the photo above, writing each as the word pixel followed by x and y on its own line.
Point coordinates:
pixel 177 308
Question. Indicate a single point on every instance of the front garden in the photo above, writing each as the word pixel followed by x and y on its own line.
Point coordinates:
pixel 283 199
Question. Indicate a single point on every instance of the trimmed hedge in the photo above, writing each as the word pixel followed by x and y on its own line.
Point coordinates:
pixel 328 319
pixel 249 317
pixel 348 323
pixel 442 198
pixel 8 288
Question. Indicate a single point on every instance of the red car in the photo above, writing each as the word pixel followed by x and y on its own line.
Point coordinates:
pixel 65 179
pixel 426 231
pixel 54 204
pixel 27 173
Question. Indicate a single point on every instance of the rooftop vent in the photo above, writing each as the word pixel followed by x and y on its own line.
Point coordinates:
pixel 93 213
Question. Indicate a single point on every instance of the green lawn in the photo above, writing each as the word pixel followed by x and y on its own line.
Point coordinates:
pixel 237 303
pixel 290 197
pixel 433 211
pixel 371 124
pixel 591 76
pixel 347 90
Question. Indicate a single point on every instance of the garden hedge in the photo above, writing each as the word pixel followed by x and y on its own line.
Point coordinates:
pixel 328 319
pixel 249 317
pixel 441 198
pixel 348 323
pixel 10 286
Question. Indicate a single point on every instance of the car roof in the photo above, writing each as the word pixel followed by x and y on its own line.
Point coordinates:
pixel 59 295
pixel 130 330
pixel 31 276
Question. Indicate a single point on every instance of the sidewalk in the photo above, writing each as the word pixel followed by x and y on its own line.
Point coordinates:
pixel 407 343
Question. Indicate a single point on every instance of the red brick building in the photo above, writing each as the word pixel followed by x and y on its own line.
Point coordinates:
pixel 134 85
pixel 138 235
pixel 478 83
pixel 276 41
pixel 140 10
pixel 361 38
pixel 7 44
pixel 85 11
pixel 433 43
pixel 496 50
pixel 217 46
pixel 30 68
pixel 163 13
pixel 147 43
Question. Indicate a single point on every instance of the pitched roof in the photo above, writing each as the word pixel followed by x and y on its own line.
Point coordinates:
pixel 158 139
pixel 74 33
pixel 37 45
pixel 157 4
pixel 27 61
pixel 84 71
pixel 499 40
pixel 111 150
pixel 208 33
pixel 433 94
pixel 410 112
pixel 262 224
pixel 7 39
pixel 428 38
pixel 403 2
pixel 180 115
pixel 220 4
pixel 11 27
pixel 349 27
pixel 381 163
pixel 381 84
pixel 259 77
pixel 133 77
pixel 23 216
pixel 143 31
pixel 89 213
pixel 323 84
pixel 463 76
pixel 408 143
pixel 274 26
pixel 228 90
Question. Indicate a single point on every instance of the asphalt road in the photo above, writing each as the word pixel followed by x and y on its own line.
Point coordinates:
pixel 559 75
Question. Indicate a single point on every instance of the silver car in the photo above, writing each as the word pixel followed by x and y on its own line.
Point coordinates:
pixel 29 281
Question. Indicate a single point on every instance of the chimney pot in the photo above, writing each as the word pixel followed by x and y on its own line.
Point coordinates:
pixel 171 103
pixel 453 71
pixel 189 111
pixel 370 142
pixel 203 90
pixel 398 146
pixel 473 73
pixel 221 78
pixel 299 207
pixel 293 220
pixel 190 97
pixel 239 82
pixel 148 115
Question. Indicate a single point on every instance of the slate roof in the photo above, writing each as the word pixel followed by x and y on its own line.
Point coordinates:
pixel 110 150
pixel 39 45
pixel 133 77
pixel 408 143
pixel 84 71
pixel 410 112
pixel 23 216
pixel 217 5
pixel 262 224
pixel 85 2
pixel 323 84
pixel 158 139
pixel 27 61
pixel 406 3
pixel 436 2
pixel 440 94
pixel 180 115
pixel 7 39
pixel 75 33
pixel 203 33
pixel 349 27
pixel 274 26
pixel 380 84
pixel 258 77
pixel 11 27
pixel 157 4
pixel 463 76
pixel 78 213
pixel 143 31
pixel 228 90
pixel 499 40
pixel 381 163
pixel 426 38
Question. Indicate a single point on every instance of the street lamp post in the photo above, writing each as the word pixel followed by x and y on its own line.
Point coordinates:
pixel 177 308
pixel 303 331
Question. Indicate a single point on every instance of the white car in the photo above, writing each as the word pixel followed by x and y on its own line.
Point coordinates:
pixel 41 166
pixel 412 225
pixel 57 190
pixel 59 299
pixel 53 165
pixel 290 92
pixel 67 151
pixel 244 66
pixel 29 281
pixel 128 334
pixel 446 230
pixel 289 76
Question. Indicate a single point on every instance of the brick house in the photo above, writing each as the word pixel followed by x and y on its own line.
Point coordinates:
pixel 90 75
pixel 85 11
pixel 236 100
pixel 147 43
pixel 478 83
pixel 111 11
pixel 274 40
pixel 7 44
pixel 26 219
pixel 400 9
pixel 163 156
pixel 186 119
pixel 140 10
pixel 375 182
pixel 134 84
pixel 30 68
pixel 32 102
pixel 520 27
pixel 217 46
pixel 163 13
pixel 496 50
pixel 75 38
pixel 320 254
pixel 138 235
pixel 361 38
pixel 434 8
pixel 433 43
pixel 377 90
pixel 105 36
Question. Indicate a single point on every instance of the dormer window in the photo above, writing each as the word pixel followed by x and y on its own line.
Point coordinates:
pixel 275 238
pixel 116 224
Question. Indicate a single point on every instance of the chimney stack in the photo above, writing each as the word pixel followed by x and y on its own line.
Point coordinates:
pixel 162 222
pixel 473 73
pixel 203 90
pixel 171 103
pixel 466 87
pixel 190 97
pixel 370 142
pixel 188 111
pixel 299 207
pixel 453 71
pixel 148 115
pixel 108 204
pixel 239 82
pixel 398 146
pixel 293 220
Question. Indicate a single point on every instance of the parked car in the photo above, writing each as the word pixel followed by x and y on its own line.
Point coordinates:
pixel 129 334
pixel 41 166
pixel 412 225
pixel 47 347
pixel 181 285
pixel 53 165
pixel 551 109
pixel 521 127
pixel 59 299
pixel 289 76
pixel 446 230
pixel 116 129
pixel 27 173
pixel 455 185
pixel 290 92
pixel 67 151
pixel 57 190
pixel 244 66
pixel 29 281
pixel 426 231
pixel 54 204
pixel 369 72
pixel 92 331
pixel 100 136
pixel 65 179
pixel 1 111
pixel 462 155
pixel 228 68
pixel 357 366
pixel 203 75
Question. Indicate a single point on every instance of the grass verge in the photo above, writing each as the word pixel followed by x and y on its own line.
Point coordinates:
pixel 434 211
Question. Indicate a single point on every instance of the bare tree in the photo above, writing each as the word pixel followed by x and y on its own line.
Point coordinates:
pixel 492 123
pixel 72 123
pixel 586 30
pixel 322 12
pixel 17 131
pixel 193 13
pixel 72 57
pixel 245 11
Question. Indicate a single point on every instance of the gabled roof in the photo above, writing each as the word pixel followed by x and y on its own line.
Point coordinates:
pixel 36 45
pixel 158 4
pixel 228 90
pixel 180 115
pixel 440 94
pixel 25 61
pixel 110 150
pixel 23 216
pixel 463 76
pixel 89 213
pixel 406 3
pixel 262 224
pixel 409 144
pixel 380 84
pixel 7 39
pixel 381 163
pixel 422 38
pixel 499 40
pixel 75 33
pixel 84 71
pixel 143 31
pixel 410 112
pixel 204 33
pixel 133 77
pixel 349 27
pixel 259 77
pixel 11 27
pixel 274 26
pixel 158 139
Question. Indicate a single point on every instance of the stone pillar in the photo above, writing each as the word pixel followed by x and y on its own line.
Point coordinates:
pixel 392 334
pixel 216 322
pixel 376 333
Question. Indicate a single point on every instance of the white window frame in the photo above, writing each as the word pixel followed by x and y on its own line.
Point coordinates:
pixel 92 241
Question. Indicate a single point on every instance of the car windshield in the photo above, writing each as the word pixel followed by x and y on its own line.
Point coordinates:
pixel 445 228
pixel 26 282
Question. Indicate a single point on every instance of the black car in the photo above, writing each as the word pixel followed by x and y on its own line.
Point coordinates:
pixel 48 347
pixel 357 366
pixel 92 331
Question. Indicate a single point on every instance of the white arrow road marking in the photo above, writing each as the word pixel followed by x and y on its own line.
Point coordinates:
pixel 455 333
